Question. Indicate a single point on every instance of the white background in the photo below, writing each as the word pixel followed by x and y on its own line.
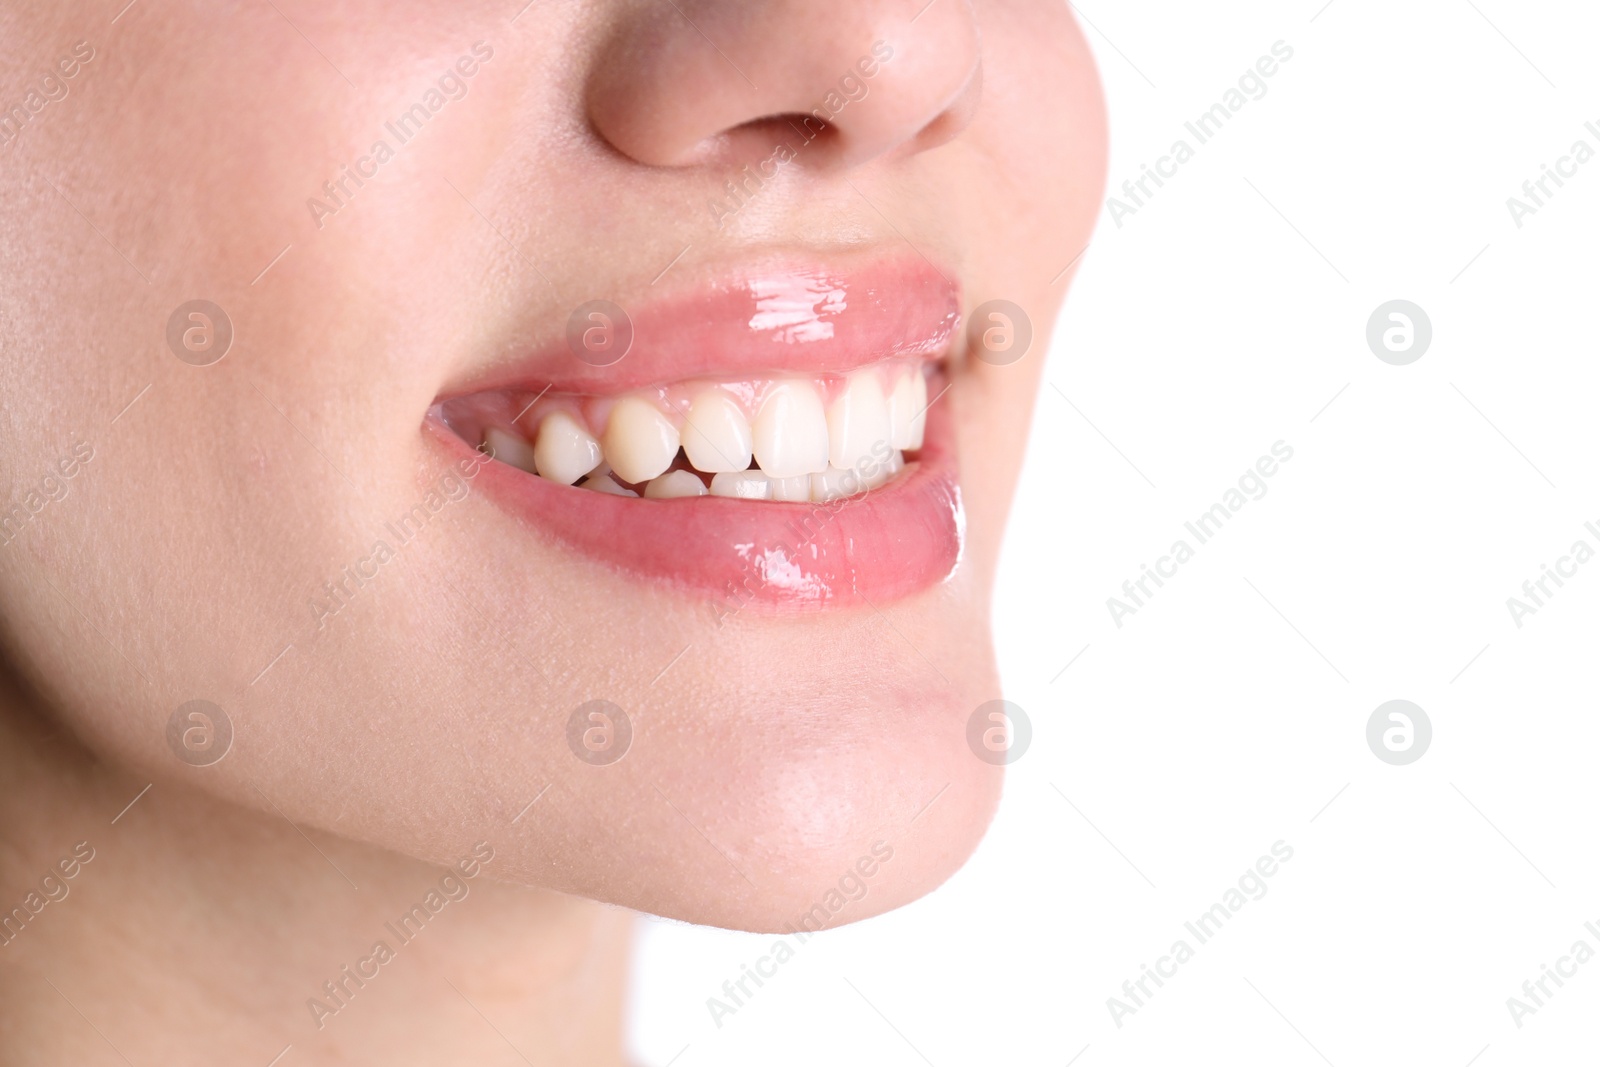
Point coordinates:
pixel 1230 712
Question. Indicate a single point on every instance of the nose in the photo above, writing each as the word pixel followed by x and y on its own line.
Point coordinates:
pixel 691 82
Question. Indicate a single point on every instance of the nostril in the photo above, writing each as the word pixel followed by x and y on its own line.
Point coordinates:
pixel 804 137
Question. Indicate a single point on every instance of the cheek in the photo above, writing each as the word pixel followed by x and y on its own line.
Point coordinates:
pixel 1041 201
pixel 241 486
pixel 1029 186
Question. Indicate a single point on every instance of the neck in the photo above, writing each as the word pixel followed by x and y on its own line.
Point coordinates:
pixel 182 929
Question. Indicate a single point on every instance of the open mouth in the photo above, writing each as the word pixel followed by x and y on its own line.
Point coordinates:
pixel 825 476
pixel 789 439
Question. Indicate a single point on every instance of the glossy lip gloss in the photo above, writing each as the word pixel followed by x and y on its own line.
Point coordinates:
pixel 793 318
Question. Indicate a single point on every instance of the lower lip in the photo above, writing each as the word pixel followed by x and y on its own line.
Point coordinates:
pixel 888 543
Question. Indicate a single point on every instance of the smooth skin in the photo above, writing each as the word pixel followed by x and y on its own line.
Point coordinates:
pixel 375 747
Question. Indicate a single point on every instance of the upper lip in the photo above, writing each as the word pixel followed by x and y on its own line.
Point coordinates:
pixel 789 316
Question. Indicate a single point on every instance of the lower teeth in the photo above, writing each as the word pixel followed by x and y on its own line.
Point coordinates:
pixel 753 484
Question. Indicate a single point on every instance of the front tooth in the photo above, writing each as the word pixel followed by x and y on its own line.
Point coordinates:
pixel 902 406
pixel 675 484
pixel 509 448
pixel 796 489
pixel 919 400
pixel 603 483
pixel 791 431
pixel 716 435
pixel 640 441
pixel 833 483
pixel 857 420
pixel 745 485
pixel 564 450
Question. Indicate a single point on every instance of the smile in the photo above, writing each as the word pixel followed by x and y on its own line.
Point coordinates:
pixel 776 440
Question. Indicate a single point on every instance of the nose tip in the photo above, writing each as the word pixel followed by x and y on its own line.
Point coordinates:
pixel 697 81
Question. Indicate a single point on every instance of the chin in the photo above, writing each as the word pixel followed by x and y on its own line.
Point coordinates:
pixel 782 816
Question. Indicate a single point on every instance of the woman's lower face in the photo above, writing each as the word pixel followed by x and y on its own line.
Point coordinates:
pixel 566 429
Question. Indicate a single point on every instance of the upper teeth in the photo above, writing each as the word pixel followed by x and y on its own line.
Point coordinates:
pixel 811 440
pixel 564 451
pixel 908 413
pixel 640 441
pixel 791 431
pixel 716 435
pixel 856 421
